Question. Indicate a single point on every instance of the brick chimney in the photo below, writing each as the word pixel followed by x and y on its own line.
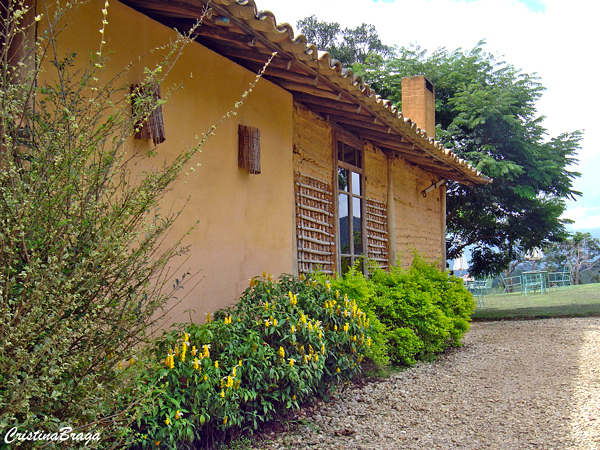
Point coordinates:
pixel 418 102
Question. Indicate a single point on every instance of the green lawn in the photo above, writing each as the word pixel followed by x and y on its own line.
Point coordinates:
pixel 572 301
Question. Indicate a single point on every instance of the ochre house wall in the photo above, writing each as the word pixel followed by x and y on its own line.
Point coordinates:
pixel 245 224
pixel 418 220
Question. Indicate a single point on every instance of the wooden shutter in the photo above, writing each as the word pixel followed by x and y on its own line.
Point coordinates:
pixel 377 235
pixel 314 224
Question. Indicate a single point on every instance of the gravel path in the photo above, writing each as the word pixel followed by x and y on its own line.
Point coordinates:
pixel 513 385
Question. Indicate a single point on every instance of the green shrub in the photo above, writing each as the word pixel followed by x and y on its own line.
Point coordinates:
pixel 425 300
pixel 354 284
pixel 281 344
pixel 414 313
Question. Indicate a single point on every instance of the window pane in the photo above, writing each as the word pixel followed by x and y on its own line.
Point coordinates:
pixel 346 264
pixel 350 155
pixel 344 224
pixel 342 179
pixel 356 183
pixel 357 224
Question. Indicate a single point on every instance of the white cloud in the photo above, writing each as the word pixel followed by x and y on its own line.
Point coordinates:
pixel 584 217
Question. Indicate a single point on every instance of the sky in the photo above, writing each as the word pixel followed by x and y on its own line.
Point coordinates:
pixel 555 39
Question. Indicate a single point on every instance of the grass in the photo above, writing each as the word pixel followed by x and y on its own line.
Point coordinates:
pixel 571 301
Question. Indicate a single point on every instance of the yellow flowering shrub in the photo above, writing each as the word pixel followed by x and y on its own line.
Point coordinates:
pixel 274 349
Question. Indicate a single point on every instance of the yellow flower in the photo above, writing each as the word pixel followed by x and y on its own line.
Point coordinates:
pixel 337 370
pixel 194 351
pixel 186 337
pixel 337 294
pixel 157 443
pixel 293 329
pixel 267 323
pixel 178 415
pixel 216 364
pixel 252 282
pixel 208 318
pixel 229 382
pixel 281 352
pixel 335 327
pixel 292 361
pixel 240 363
pixel 119 366
pixel 294 397
pixel 206 353
pixel 302 318
pixel 205 377
pixel 274 322
pixel 264 274
pixel 196 363
pixel 222 394
pixel 266 305
pixel 316 357
pixel 328 286
pixel 167 421
pixel 225 420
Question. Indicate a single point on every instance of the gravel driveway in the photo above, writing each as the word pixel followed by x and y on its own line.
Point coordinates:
pixel 513 385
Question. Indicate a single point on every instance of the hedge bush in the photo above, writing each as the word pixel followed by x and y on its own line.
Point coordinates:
pixel 282 343
pixel 416 312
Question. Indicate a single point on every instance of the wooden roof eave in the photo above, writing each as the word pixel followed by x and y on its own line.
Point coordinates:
pixel 311 81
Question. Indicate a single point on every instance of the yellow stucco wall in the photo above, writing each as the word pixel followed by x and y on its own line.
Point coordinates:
pixel 245 221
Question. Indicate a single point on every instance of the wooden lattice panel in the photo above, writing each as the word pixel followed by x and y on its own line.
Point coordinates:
pixel 314 225
pixel 377 235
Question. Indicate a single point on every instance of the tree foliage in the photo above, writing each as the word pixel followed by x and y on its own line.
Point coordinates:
pixel 577 253
pixel 348 45
pixel 486 113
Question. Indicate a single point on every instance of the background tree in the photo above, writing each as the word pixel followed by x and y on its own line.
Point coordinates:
pixel 348 45
pixel 85 272
pixel 578 253
pixel 485 113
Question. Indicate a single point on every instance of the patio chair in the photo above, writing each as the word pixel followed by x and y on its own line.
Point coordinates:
pixel 534 281
pixel 479 288
pixel 511 284
pixel 559 279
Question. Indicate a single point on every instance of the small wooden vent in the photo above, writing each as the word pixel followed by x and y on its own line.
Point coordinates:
pixel 249 149
pixel 150 126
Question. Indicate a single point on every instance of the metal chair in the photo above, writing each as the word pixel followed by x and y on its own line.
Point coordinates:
pixel 479 288
pixel 511 283
pixel 556 279
pixel 534 281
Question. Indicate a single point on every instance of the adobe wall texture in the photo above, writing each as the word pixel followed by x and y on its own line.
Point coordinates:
pixel 418 220
pixel 313 145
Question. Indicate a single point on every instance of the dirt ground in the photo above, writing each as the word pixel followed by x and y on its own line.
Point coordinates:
pixel 513 385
